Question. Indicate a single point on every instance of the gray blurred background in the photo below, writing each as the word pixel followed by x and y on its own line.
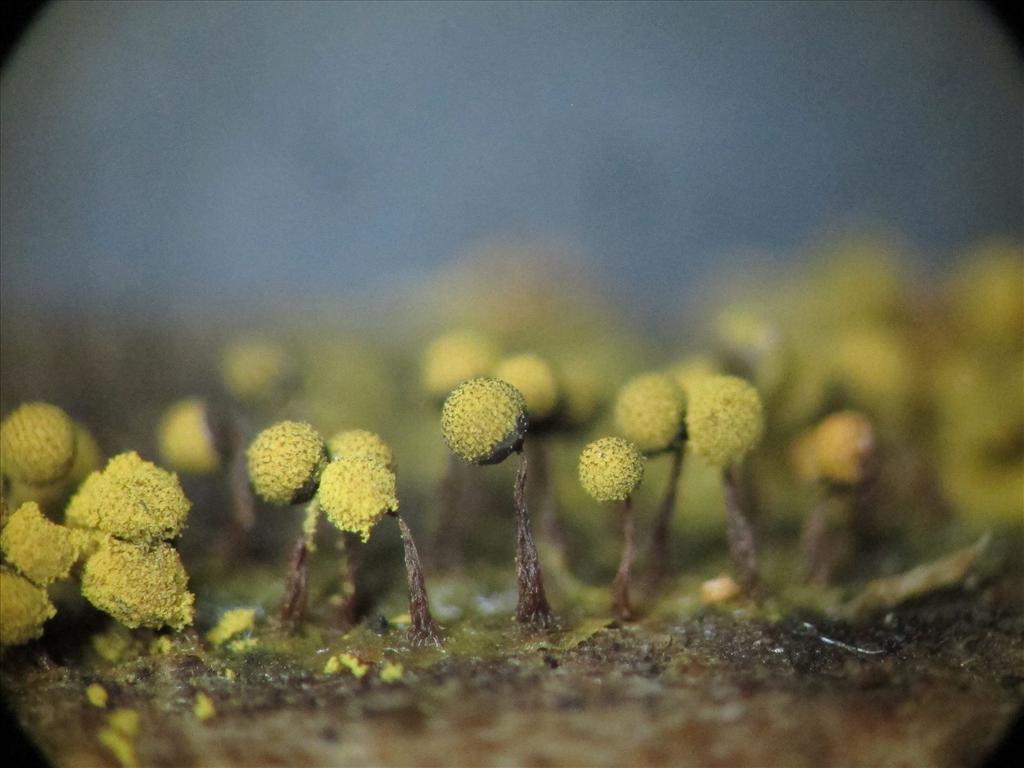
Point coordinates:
pixel 165 157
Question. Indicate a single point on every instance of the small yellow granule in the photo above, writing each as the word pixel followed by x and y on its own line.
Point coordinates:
pixel 186 440
pixel 24 608
pixel 203 708
pixel 454 358
pixel 121 746
pixel 37 441
pixel 346 661
pixel 534 377
pixel 41 550
pixel 690 370
pixel 161 646
pixel 724 420
pixel 256 372
pixel 229 674
pixel 611 469
pixel 484 420
pixel 131 499
pixel 843 444
pixel 140 586
pixel 391 672
pixel 649 411
pixel 242 644
pixel 285 461
pixel 115 644
pixel 355 493
pixel 232 623
pixel 719 590
pixel 96 694
pixel 124 721
pixel 360 443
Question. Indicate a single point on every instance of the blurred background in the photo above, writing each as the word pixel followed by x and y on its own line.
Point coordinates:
pixel 162 159
pixel 829 193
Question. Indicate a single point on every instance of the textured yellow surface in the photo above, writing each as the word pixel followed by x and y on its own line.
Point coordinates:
pixel 454 358
pixel 724 420
pixel 611 469
pixel 140 586
pixel 285 461
pixel 131 499
pixel 185 440
pixel 37 441
pixel 41 550
pixel 649 411
pixel 481 417
pixel 24 608
pixel 360 443
pixel 355 493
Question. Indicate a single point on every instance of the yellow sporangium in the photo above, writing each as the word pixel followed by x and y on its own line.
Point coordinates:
pixel 140 586
pixel 360 443
pixel 256 372
pixel 843 442
pixel 454 358
pixel 611 469
pixel 355 493
pixel 24 608
pixel 649 412
pixel 131 499
pixel 724 419
pixel 285 461
pixel 484 420
pixel 186 439
pixel 536 380
pixel 690 370
pixel 37 441
pixel 41 550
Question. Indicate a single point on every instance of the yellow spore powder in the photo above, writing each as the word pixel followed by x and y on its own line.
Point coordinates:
pixel 611 468
pixel 24 608
pixel 355 493
pixel 649 412
pixel 41 550
pixel 37 441
pixel 185 439
pixel 724 420
pixel 140 586
pixel 360 443
pixel 454 358
pixel 483 419
pixel 285 461
pixel 131 499
pixel 232 623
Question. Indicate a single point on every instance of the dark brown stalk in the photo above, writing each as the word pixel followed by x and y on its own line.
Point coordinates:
pixel 659 551
pixel 532 608
pixel 424 630
pixel 348 598
pixel 739 533
pixel 813 544
pixel 620 586
pixel 294 605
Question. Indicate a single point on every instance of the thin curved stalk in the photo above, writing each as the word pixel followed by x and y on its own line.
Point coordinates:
pixel 424 630
pixel 739 532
